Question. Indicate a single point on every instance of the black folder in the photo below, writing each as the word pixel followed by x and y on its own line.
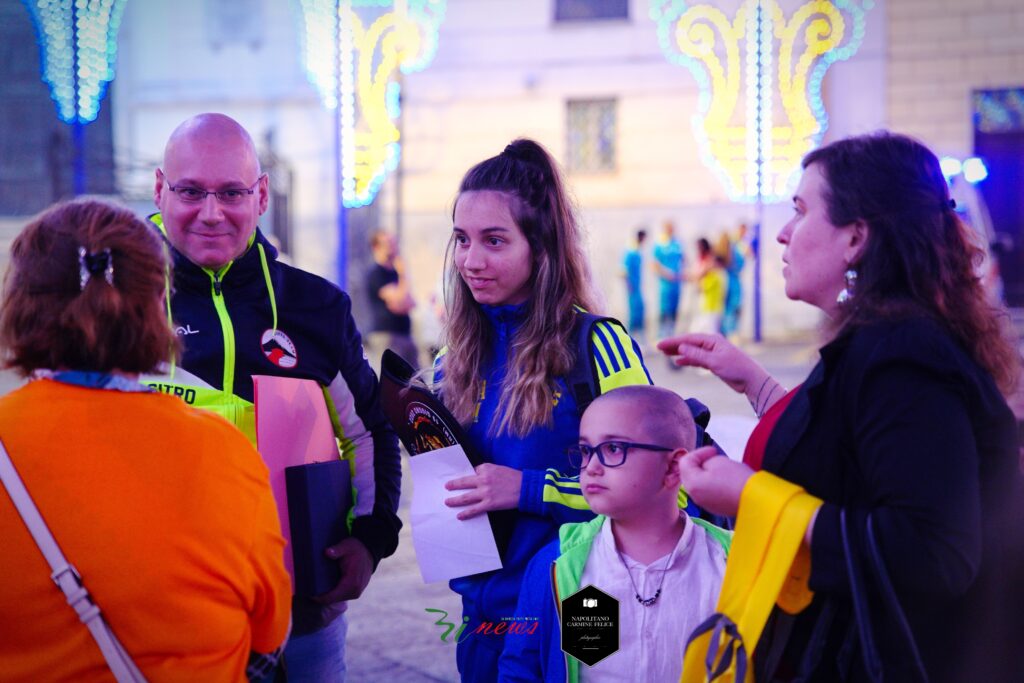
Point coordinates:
pixel 319 498
pixel 423 424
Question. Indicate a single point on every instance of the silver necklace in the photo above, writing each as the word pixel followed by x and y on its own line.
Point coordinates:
pixel 646 602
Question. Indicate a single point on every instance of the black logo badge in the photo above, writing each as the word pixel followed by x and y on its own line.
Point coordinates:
pixel 590 625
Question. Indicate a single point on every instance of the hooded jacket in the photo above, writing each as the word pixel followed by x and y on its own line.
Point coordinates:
pixel 553 575
pixel 258 316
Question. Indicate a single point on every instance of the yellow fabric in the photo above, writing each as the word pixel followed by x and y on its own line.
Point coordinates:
pixel 554 482
pixel 767 565
pixel 712 291
pixel 631 369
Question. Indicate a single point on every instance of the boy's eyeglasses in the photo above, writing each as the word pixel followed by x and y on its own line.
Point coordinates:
pixel 610 453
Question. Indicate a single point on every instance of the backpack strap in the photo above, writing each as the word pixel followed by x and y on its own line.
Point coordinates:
pixel 583 380
pixel 67 577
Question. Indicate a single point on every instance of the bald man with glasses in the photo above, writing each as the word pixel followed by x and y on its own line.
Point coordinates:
pixel 239 312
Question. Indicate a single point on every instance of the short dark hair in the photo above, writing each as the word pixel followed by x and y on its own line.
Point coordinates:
pixel 48 320
pixel 919 258
pixel 665 419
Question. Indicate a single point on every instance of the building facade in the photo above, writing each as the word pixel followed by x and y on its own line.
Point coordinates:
pixel 589 80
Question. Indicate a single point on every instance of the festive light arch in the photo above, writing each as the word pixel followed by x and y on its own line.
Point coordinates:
pixel 355 66
pixel 756 149
pixel 78 46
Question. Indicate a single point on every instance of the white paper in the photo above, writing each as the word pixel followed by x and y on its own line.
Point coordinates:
pixel 447 547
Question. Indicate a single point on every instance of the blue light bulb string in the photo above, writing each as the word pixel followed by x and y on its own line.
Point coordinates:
pixel 77 129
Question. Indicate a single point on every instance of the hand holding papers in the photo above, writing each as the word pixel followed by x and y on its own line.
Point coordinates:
pixel 447 547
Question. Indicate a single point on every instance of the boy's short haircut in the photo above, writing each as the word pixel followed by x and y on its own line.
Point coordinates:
pixel 664 417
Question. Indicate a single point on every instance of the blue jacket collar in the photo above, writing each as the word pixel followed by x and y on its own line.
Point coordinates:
pixel 506 314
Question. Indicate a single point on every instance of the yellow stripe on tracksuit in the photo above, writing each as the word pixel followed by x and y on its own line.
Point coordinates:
pixel 618 363
pixel 562 490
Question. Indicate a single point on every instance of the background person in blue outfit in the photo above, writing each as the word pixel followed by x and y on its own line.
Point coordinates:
pixel 668 264
pixel 516 275
pixel 633 271
pixel 731 251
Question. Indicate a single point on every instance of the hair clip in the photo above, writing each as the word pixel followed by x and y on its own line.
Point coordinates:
pixel 94 264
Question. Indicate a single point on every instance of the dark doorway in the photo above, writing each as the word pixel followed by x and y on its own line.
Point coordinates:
pixel 999 141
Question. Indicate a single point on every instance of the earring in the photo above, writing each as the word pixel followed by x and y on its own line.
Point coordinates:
pixel 847 292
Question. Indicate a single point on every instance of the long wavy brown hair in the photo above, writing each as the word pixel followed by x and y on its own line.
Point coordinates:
pixel 920 258
pixel 542 348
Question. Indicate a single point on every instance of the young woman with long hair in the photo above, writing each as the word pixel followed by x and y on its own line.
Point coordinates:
pixel 516 279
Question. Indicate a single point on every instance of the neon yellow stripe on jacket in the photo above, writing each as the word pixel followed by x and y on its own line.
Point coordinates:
pixel 562 490
pixel 621 365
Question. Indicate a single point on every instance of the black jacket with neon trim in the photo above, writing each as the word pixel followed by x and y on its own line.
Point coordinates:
pixel 315 337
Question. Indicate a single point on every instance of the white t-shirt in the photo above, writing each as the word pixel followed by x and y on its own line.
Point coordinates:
pixel 652 640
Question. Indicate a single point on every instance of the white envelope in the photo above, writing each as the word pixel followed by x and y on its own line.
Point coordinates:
pixel 447 547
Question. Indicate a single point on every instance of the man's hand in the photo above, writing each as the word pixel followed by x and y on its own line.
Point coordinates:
pixel 713 480
pixel 493 487
pixel 356 566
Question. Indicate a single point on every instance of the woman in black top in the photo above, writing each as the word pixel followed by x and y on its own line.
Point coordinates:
pixel 903 418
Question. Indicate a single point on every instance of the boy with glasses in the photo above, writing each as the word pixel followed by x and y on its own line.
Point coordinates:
pixel 664 568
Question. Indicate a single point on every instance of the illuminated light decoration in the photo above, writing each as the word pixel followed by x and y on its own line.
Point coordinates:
pixel 755 149
pixel 359 74
pixel 950 167
pixel 974 170
pixel 999 111
pixel 78 45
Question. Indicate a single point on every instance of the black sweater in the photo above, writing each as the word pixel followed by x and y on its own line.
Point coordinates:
pixel 896 420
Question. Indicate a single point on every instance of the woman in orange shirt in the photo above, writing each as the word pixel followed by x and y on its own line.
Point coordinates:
pixel 165 511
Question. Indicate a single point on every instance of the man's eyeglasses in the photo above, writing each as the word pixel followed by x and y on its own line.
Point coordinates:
pixel 231 195
pixel 610 453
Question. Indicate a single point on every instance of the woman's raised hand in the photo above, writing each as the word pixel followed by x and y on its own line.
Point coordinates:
pixel 713 352
pixel 741 372
pixel 713 480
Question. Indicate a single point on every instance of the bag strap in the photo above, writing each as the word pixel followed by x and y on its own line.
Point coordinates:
pixel 67 577
pixel 862 615
pixel 858 593
pixel 583 379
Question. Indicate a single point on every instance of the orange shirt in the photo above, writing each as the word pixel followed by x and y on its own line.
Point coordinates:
pixel 165 510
